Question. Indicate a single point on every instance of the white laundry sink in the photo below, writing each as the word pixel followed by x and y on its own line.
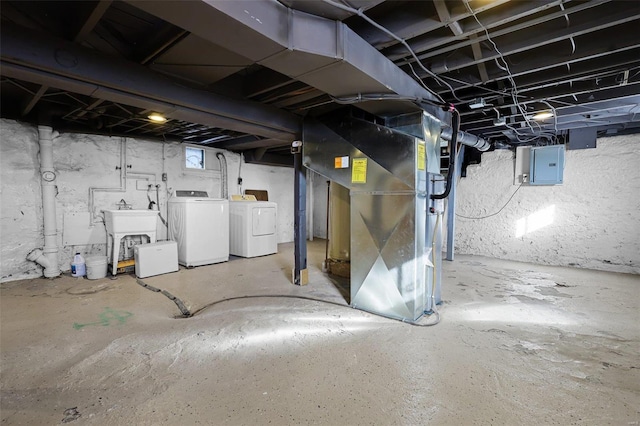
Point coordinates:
pixel 131 222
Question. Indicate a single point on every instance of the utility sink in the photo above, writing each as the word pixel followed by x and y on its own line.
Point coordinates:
pixel 131 222
pixel 121 223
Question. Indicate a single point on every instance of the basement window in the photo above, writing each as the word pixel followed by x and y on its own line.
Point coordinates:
pixel 194 158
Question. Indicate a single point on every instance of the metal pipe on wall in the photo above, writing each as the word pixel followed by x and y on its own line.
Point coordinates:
pixel 224 188
pixel 123 182
pixel 48 258
pixel 466 139
pixel 451 206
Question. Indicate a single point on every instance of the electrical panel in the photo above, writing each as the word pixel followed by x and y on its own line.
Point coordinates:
pixel 546 165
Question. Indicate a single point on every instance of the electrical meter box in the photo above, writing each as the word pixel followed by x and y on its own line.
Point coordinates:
pixel 546 165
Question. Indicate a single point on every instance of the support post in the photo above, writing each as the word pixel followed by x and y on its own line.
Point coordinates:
pixel 300 273
pixel 451 205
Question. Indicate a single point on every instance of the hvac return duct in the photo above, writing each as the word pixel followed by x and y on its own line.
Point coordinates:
pixel 394 223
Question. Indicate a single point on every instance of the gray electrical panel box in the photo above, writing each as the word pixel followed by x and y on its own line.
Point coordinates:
pixel 546 165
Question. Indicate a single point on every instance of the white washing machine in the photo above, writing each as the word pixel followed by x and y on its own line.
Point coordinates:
pixel 253 228
pixel 200 226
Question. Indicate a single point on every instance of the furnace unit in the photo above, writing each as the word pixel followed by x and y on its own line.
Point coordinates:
pixel 395 225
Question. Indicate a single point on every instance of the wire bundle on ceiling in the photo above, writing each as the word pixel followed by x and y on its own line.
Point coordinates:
pixel 539 132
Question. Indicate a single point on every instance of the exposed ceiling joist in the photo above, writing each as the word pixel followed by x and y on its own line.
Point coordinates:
pixel 435 46
pixel 92 20
pixel 526 42
pixel 64 65
pixel 320 52
pixel 413 21
pixel 297 55
pixel 445 17
pixel 36 97
pixel 585 69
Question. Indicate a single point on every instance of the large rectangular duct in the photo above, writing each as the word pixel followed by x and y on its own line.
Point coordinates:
pixel 394 224
pixel 323 53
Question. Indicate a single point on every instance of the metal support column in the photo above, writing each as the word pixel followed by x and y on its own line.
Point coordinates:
pixel 300 273
pixel 451 205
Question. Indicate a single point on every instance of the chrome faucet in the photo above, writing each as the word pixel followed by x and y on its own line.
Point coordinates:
pixel 122 205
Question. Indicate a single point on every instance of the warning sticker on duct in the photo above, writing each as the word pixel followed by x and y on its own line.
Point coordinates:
pixel 422 157
pixel 359 170
pixel 341 162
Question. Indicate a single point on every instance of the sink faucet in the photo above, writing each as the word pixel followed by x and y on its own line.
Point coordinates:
pixel 122 205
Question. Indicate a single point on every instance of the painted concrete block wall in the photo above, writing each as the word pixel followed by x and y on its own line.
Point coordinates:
pixel 83 161
pixel 591 221
pixel 278 181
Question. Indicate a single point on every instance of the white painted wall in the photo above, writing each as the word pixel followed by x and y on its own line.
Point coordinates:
pixel 591 221
pixel 83 161
pixel 278 181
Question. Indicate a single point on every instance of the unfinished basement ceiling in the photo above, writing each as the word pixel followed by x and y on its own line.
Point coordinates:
pixel 244 75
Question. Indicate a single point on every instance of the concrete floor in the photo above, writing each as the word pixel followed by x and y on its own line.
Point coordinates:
pixel 518 344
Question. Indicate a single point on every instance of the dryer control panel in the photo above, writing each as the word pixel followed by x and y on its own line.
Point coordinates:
pixel 192 194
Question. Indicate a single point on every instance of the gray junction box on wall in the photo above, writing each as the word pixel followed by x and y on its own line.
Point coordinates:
pixel 546 165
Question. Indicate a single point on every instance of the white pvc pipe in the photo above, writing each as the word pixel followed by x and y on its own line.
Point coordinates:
pixel 49 188
pixel 37 256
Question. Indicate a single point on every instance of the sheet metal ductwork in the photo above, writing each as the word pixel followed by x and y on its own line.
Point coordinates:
pixel 323 53
pixel 394 224
pixel 466 139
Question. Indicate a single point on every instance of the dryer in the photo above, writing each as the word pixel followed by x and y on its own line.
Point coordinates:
pixel 253 228
pixel 200 226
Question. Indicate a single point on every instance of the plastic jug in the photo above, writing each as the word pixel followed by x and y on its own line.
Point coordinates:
pixel 78 267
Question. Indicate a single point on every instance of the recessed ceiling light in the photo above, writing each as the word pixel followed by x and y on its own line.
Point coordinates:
pixel 543 115
pixel 157 118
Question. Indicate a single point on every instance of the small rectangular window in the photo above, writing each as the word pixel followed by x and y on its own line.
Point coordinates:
pixel 194 158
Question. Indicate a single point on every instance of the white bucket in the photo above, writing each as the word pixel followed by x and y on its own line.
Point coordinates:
pixel 96 267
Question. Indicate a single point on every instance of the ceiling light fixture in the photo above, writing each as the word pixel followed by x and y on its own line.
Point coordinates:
pixel 543 115
pixel 157 118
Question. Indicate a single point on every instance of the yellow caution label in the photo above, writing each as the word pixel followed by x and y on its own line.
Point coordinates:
pixel 422 157
pixel 359 170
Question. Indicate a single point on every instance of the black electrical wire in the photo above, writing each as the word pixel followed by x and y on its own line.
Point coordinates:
pixel 493 214
pixel 290 296
pixel 188 314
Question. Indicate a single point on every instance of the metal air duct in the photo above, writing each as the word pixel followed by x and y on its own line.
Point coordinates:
pixel 466 139
pixel 394 224
pixel 323 53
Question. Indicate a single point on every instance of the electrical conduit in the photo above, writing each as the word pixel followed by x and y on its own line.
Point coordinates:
pixel 164 222
pixel 224 189
pixel 49 257
pixel 455 124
